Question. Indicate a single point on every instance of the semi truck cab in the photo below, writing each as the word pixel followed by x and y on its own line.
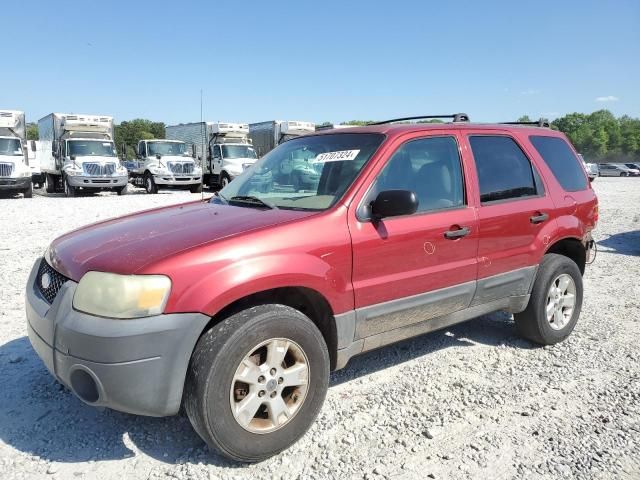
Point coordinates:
pixel 230 152
pixel 165 163
pixel 15 174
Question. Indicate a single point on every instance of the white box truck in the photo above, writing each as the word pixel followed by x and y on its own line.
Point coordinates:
pixel 223 148
pixel 165 163
pixel 265 136
pixel 15 175
pixel 78 153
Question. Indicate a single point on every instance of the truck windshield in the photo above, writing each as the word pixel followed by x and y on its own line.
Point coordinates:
pixel 305 173
pixel 238 151
pixel 10 146
pixel 166 148
pixel 90 148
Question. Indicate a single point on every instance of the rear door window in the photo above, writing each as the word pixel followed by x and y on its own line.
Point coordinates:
pixel 504 171
pixel 562 162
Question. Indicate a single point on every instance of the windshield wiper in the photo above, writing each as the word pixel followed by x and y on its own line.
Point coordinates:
pixel 249 199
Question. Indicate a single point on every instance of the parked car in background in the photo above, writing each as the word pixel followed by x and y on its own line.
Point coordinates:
pixel 631 172
pixel 591 168
pixel 238 308
pixel 612 170
pixel 634 167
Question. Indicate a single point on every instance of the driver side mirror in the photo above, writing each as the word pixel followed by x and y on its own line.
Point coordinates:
pixel 193 150
pixel 393 203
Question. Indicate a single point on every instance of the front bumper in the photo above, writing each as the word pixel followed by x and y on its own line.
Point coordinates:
pixel 97 182
pixel 14 183
pixel 134 366
pixel 176 180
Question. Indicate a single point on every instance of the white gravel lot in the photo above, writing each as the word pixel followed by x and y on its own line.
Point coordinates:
pixel 473 401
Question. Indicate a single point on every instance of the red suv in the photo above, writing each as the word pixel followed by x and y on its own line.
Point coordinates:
pixel 239 307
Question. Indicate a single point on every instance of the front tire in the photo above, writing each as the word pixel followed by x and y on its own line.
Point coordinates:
pixel 50 183
pixel 257 381
pixel 555 303
pixel 121 190
pixel 196 188
pixel 224 180
pixel 150 184
pixel 28 192
pixel 69 190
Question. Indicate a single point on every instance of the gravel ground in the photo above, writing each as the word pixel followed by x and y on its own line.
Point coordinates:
pixel 473 401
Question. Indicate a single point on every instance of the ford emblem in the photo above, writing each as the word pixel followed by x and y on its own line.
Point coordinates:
pixel 45 281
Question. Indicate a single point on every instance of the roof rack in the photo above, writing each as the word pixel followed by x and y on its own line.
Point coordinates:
pixel 543 122
pixel 457 117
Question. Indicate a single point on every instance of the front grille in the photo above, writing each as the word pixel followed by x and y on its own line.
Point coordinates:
pixel 6 169
pixel 178 168
pixel 99 169
pixel 49 281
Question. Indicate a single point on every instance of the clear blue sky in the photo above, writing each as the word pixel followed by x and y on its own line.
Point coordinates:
pixel 320 60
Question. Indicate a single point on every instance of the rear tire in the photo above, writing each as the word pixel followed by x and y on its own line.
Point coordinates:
pixel 237 348
pixel 150 184
pixel 549 297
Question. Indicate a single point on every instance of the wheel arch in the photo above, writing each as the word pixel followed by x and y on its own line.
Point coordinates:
pixel 571 248
pixel 306 300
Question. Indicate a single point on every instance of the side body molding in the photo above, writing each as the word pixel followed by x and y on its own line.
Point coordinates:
pixel 374 326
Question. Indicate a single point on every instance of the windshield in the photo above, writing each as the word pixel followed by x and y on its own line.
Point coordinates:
pixel 238 151
pixel 90 148
pixel 10 146
pixel 166 148
pixel 306 173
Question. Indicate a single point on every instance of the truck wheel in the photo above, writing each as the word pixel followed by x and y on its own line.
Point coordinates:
pixel 122 190
pixel 555 303
pixel 196 188
pixel 50 183
pixel 257 381
pixel 224 180
pixel 150 184
pixel 28 192
pixel 69 190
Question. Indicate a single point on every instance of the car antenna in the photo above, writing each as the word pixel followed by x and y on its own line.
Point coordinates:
pixel 201 161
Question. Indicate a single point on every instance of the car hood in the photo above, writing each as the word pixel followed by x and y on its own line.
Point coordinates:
pixel 127 244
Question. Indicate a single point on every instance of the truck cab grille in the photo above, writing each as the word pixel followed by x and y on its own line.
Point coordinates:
pixel 179 168
pixel 99 169
pixel 49 281
pixel 6 169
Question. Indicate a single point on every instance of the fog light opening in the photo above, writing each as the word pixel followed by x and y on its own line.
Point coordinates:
pixel 84 386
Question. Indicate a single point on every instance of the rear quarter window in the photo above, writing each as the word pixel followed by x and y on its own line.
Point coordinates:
pixel 562 162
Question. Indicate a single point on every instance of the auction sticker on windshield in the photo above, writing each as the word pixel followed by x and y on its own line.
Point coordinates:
pixel 340 156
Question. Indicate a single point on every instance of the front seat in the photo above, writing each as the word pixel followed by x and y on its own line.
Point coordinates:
pixel 433 185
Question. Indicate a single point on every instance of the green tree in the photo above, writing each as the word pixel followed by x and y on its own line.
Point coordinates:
pixel 524 118
pixel 131 132
pixel 32 131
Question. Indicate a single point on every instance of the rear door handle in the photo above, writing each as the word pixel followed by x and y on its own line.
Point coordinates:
pixel 459 233
pixel 539 218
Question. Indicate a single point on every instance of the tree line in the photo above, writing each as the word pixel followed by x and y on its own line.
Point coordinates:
pixel 600 136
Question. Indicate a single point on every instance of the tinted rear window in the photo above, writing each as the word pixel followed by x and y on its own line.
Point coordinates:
pixel 561 160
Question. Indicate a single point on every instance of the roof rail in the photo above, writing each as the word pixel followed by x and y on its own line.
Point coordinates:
pixel 543 122
pixel 456 117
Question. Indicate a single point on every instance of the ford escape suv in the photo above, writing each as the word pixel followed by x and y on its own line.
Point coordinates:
pixel 238 307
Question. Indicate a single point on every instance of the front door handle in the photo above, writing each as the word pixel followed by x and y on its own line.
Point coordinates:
pixel 459 233
pixel 539 218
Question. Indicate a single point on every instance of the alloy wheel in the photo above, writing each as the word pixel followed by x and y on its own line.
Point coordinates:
pixel 561 301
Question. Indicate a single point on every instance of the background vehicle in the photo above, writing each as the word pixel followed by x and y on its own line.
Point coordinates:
pixel 34 152
pixel 15 175
pixel 612 170
pixel 165 163
pixel 78 153
pixel 238 308
pixel 591 168
pixel 265 136
pixel 223 148
pixel 332 126
pixel 634 169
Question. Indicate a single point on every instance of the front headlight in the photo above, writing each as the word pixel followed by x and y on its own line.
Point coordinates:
pixel 74 172
pixel 122 296
pixel 26 173
pixel 159 171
